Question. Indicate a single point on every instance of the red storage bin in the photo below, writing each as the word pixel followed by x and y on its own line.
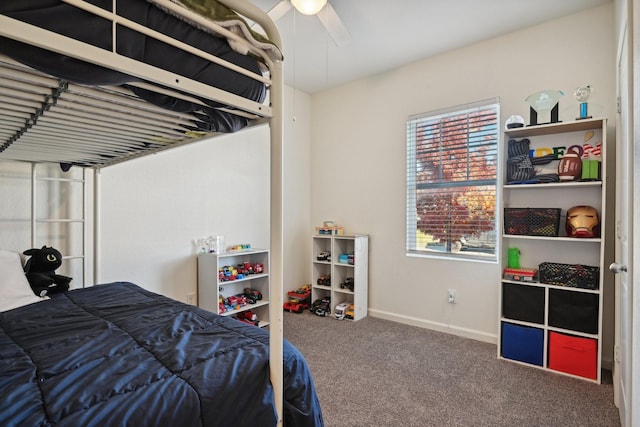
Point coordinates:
pixel 573 355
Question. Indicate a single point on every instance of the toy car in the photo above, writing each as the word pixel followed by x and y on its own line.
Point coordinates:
pixel 249 317
pixel 347 284
pixel 324 256
pixel 341 310
pixel 348 314
pixel 245 268
pixel 236 301
pixel 324 280
pixel 324 307
pixel 302 290
pixel 298 299
pixel 315 305
pixel 253 295
pixel 295 305
pixel 221 307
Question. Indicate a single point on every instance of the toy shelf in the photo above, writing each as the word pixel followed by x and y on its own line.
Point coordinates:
pixel 555 326
pixel 346 269
pixel 216 282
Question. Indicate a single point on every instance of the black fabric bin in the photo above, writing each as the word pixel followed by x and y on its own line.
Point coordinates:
pixel 576 311
pixel 523 302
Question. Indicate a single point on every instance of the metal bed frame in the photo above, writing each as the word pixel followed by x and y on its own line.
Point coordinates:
pixel 57 121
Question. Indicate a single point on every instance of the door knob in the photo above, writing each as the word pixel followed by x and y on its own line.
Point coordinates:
pixel 617 268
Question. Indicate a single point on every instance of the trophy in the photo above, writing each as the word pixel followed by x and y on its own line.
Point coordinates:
pixel 582 95
pixel 544 103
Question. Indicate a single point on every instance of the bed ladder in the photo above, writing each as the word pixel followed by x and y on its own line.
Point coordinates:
pixel 58 217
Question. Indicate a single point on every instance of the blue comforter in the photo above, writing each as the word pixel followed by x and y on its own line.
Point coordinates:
pixel 118 355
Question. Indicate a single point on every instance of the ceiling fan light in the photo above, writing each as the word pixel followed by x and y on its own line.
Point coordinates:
pixel 308 7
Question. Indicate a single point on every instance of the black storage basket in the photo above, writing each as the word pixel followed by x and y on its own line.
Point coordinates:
pixel 522 302
pixel 574 310
pixel 571 275
pixel 532 221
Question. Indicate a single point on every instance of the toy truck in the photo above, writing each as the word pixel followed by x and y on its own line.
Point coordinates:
pixel 347 284
pixel 298 299
pixel 322 307
pixel 348 314
pixel 341 310
pixel 249 317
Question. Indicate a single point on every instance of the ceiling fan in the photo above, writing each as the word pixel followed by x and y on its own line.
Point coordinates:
pixel 322 9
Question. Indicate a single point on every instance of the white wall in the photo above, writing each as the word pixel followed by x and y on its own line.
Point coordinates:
pixel 297 184
pixel 15 193
pixel 153 207
pixel 358 174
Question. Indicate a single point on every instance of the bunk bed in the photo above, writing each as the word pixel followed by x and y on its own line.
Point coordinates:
pixel 73 97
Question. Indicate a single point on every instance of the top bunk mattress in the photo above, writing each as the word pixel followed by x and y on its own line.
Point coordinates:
pixel 95 29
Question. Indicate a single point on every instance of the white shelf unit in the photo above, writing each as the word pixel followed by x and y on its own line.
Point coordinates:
pixel 211 288
pixel 357 270
pixel 556 328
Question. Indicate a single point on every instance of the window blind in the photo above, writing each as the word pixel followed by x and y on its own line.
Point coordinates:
pixel 452 160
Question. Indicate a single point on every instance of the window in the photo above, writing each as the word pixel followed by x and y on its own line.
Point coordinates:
pixel 451 181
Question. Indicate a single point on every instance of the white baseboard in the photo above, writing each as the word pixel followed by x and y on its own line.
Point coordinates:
pixel 435 326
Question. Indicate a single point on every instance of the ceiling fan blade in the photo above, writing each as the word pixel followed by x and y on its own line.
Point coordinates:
pixel 279 10
pixel 334 25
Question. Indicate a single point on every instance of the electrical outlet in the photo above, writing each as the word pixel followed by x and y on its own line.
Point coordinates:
pixel 451 295
pixel 190 298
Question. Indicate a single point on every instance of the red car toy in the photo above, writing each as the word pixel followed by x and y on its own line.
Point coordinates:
pixel 236 301
pixel 249 317
pixel 298 299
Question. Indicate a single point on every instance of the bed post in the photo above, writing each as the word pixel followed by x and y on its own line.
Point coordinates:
pixel 33 205
pixel 276 262
pixel 96 226
pixel 277 240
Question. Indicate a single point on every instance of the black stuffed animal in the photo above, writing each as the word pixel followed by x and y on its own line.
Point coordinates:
pixel 40 271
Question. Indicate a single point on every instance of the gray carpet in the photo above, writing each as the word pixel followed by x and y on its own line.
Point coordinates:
pixel 380 373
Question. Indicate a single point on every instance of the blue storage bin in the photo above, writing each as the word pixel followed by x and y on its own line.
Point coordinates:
pixel 522 343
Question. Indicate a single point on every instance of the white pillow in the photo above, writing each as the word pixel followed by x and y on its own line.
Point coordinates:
pixel 14 287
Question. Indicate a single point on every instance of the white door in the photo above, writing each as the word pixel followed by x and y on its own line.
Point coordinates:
pixel 627 326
